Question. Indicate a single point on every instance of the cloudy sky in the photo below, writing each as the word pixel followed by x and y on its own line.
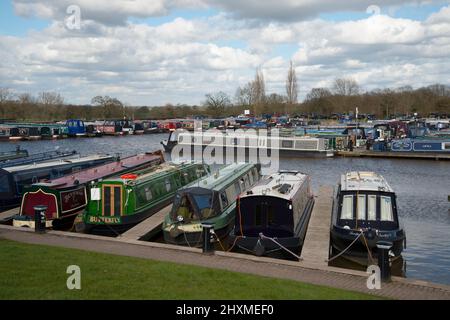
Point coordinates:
pixel 152 52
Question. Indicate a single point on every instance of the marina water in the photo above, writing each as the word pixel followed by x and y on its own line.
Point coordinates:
pixel 422 188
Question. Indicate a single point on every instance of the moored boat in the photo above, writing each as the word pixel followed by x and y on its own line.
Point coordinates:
pixel 11 155
pixel 14 179
pixel 365 207
pixel 277 208
pixel 65 197
pixel 119 203
pixel 239 140
pixel 210 200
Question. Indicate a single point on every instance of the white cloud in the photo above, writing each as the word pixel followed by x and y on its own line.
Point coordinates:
pixel 182 60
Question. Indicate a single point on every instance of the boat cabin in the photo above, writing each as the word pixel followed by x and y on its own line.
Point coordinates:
pixel 365 200
pixel 275 206
pixel 14 179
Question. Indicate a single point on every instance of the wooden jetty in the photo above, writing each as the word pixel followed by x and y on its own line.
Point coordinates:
pixel 147 228
pixel 402 155
pixel 316 245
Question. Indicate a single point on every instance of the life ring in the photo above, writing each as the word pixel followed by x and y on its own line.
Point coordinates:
pixel 129 176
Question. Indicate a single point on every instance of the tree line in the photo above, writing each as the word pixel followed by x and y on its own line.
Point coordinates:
pixel 343 97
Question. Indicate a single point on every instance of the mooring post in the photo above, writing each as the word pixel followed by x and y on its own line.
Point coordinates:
pixel 39 219
pixel 207 235
pixel 383 260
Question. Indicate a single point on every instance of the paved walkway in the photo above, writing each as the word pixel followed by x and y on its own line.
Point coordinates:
pixel 332 277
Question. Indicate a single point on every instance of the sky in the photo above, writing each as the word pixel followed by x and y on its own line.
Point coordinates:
pixel 176 51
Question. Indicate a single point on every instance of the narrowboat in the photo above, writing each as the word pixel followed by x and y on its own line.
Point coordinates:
pixel 65 197
pixel 119 203
pixel 364 207
pixel 138 128
pixel 11 155
pixel 76 128
pixel 277 207
pixel 110 127
pixel 209 200
pixel 92 131
pixel 127 126
pixel 37 157
pixel 239 140
pixel 14 179
pixel 150 127
pixel 435 145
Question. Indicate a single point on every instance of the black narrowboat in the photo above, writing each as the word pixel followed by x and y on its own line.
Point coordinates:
pixel 272 217
pixel 365 207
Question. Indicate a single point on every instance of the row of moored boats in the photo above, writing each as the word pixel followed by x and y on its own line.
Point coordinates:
pixel 262 215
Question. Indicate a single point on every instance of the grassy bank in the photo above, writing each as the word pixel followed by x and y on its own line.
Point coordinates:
pixel 39 272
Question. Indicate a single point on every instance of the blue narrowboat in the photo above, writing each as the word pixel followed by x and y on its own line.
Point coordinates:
pixel 76 128
pixel 421 145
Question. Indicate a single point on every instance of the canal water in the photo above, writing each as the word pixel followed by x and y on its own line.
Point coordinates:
pixel 422 188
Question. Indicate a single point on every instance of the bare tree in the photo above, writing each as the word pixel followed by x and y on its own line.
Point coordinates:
pixel 112 107
pixel 216 102
pixel 258 89
pixel 291 85
pixel 50 99
pixel 318 93
pixel 346 87
pixel 5 95
pixel 243 96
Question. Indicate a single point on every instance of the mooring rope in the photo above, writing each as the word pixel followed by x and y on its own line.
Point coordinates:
pixel 262 236
pixel 342 252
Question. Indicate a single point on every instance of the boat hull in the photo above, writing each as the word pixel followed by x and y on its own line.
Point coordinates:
pixel 340 240
pixel 126 222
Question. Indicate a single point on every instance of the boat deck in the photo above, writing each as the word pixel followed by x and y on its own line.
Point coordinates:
pixel 403 155
pixel 317 240
pixel 147 228
pixel 5 215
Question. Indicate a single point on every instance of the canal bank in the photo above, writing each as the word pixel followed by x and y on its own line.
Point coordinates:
pixel 399 288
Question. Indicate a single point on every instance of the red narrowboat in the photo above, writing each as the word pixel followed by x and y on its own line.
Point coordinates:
pixel 67 196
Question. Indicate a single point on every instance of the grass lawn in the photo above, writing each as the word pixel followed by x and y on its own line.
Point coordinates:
pixel 39 272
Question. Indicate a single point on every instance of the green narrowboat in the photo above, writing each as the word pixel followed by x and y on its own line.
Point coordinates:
pixel 119 203
pixel 210 200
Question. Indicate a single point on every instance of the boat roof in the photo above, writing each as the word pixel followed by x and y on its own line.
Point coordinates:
pixel 283 184
pixel 100 171
pixel 364 181
pixel 151 173
pixel 220 178
pixel 57 162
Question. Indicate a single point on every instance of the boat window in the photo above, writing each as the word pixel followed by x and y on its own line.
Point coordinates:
pixel 361 207
pixel 148 193
pixel 372 207
pixel 258 215
pixel 347 207
pixel 204 204
pixel 386 209
pixel 270 215
pixel 287 143
pixel 237 188
pixel 250 177
pixel 224 200
pixel 168 185
pixel 4 183
pixel 231 193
